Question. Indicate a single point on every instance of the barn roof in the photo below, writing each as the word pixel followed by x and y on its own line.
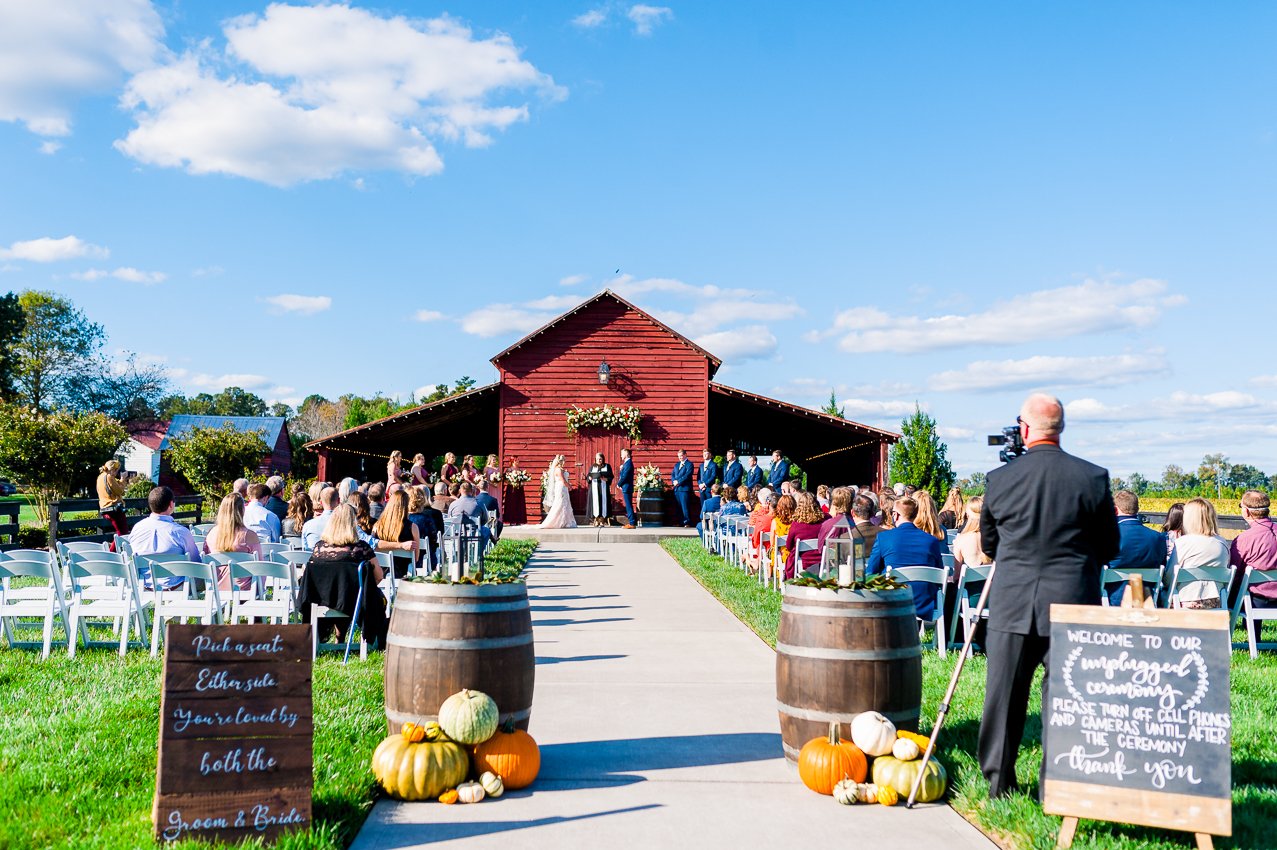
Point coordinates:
pixel 149 433
pixel 270 426
pixel 591 302
pixel 723 389
pixel 461 404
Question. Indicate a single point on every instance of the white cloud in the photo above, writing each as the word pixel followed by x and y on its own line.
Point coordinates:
pixel 310 92
pixel 126 273
pixel 954 433
pixel 1041 372
pixel 591 19
pixel 647 18
pixel 207 271
pixel 861 408
pixel 556 302
pixel 204 381
pixel 1178 406
pixel 714 306
pixel 1067 311
pixel 1264 380
pixel 428 316
pixel 751 342
pixel 46 249
pixel 573 280
pixel 497 319
pixel 56 50
pixel 307 305
pixel 50 147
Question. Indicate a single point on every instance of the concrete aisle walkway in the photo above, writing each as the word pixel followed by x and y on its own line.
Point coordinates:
pixel 655 712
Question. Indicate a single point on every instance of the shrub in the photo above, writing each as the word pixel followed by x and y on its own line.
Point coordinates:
pixel 140 488
pixel 33 537
pixel 210 459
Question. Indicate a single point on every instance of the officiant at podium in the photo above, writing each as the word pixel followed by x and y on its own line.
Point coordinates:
pixel 599 503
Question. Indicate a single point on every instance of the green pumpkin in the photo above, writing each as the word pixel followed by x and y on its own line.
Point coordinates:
pixel 419 771
pixel 469 717
pixel 889 770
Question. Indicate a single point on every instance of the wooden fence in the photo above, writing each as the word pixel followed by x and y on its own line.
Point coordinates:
pixel 189 510
pixel 9 525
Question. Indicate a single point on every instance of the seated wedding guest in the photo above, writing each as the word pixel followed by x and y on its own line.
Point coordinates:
pixel 746 498
pixel 454 490
pixel 467 511
pixel 332 576
pixel 730 505
pixel 898 489
pixel 160 534
pixel 276 504
pixel 760 520
pixel 1174 526
pixel 346 487
pixel 363 513
pixel 230 534
pixel 441 500
pixel 314 493
pixel 862 511
pixel 421 515
pixel 1199 546
pixel 484 496
pixel 1140 548
pixel 839 522
pixel 952 514
pixel 822 498
pixel 299 511
pixel 966 546
pixel 886 510
pixel 394 529
pixel 1256 548
pixel 449 470
pixel 808 518
pixel 364 486
pixel 928 520
pixel 906 545
pixel 329 499
pixel 418 472
pixel 258 517
pixel 710 505
pixel 377 499
pixel 240 487
pixel 782 516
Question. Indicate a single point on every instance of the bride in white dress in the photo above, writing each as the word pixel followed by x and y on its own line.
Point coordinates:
pixel 558 513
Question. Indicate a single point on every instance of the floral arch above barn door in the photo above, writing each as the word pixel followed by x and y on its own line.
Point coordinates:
pixel 606 418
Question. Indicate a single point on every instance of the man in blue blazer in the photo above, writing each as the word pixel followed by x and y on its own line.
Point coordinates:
pixel 625 480
pixel 754 478
pixel 708 475
pixel 779 471
pixel 734 473
pixel 1139 547
pixel 906 545
pixel 681 478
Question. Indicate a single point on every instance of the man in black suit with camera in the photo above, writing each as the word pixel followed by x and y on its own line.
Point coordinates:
pixel 1049 525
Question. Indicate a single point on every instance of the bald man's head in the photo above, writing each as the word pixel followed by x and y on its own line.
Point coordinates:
pixel 1044 415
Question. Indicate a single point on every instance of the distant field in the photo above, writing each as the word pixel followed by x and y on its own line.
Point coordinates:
pixel 1224 507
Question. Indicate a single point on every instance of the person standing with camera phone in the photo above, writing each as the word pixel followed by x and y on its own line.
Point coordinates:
pixel 1049 525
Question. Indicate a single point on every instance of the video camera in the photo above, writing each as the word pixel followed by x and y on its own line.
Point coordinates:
pixel 1010 441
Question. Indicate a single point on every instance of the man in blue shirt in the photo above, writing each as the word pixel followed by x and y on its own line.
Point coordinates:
pixel 681 478
pixel 160 534
pixel 754 478
pixel 779 472
pixel 906 545
pixel 329 499
pixel 734 473
pixel 709 474
pixel 258 518
pixel 1141 547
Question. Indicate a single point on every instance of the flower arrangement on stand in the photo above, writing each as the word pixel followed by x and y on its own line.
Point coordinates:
pixel 649 478
pixel 611 418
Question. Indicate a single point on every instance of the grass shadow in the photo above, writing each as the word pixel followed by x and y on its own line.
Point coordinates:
pixel 570 622
pixel 550 659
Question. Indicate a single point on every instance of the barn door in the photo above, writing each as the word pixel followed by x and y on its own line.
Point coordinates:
pixel 588 442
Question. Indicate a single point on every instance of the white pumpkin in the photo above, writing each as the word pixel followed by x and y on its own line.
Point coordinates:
pixel 492 784
pixel 470 792
pixel 847 792
pixel 873 733
pixel 905 749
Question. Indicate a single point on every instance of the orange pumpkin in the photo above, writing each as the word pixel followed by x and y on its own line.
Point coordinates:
pixel 414 733
pixel 449 797
pixel 824 762
pixel 511 754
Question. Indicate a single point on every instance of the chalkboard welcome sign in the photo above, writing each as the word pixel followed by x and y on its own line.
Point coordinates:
pixel 1138 725
pixel 236 732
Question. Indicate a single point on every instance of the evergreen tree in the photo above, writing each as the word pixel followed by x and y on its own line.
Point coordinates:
pixel 831 407
pixel 920 458
pixel 12 321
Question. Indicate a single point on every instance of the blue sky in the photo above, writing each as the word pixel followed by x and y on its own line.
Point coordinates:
pixel 952 204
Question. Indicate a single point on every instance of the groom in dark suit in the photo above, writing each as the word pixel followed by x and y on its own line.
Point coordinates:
pixel 1048 522
pixel 625 481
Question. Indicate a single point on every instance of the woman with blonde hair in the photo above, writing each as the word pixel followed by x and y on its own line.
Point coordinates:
pixel 418 471
pixel 393 529
pixel 887 509
pixel 782 517
pixel 1199 546
pixel 449 470
pixel 492 474
pixel 229 534
pixel 315 491
pixel 332 577
pixel 966 546
pixel 952 514
pixel 111 498
pixel 927 519
pixel 394 468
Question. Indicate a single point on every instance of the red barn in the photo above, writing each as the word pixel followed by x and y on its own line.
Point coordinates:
pixel 523 417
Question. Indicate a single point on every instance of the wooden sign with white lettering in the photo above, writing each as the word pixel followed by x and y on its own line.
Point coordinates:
pixel 236 733
pixel 1137 730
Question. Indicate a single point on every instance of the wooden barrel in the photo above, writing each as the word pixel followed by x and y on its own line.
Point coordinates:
pixel 651 508
pixel 446 637
pixel 841 652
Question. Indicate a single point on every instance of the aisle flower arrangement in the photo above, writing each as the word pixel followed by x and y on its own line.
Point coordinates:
pixel 649 478
pixel 608 417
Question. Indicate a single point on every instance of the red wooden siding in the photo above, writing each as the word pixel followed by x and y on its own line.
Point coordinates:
pixel 651 369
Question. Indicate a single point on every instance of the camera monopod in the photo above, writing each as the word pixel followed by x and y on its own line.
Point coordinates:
pixel 943 709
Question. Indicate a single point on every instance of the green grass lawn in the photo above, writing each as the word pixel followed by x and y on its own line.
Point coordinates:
pixel 26 514
pixel 1019 821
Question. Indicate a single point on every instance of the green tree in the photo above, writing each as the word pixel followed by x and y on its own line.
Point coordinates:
pixel 831 407
pixel 210 459
pixel 55 346
pixel 232 401
pixel 317 417
pixel 1246 477
pixel 12 321
pixel 122 390
pixel 921 458
pixel 55 454
pixel 280 409
pixel 1175 478
pixel 1138 484
pixel 973 485
pixel 1212 472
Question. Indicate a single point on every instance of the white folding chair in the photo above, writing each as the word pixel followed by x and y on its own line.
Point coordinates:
pixel 1221 577
pixel 182 602
pixel 387 585
pixel 801 546
pixel 203 528
pixel 938 576
pixel 709 522
pixel 269 550
pixel 42 600
pixel 113 594
pixel 970 580
pixel 298 558
pixel 1254 615
pixel 323 612
pixel 1152 577
pixel 274 595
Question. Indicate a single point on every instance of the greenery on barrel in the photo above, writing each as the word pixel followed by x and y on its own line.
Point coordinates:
pixel 503 564
pixel 879 582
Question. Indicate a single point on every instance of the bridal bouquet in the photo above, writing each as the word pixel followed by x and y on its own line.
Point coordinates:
pixel 649 478
pixel 517 477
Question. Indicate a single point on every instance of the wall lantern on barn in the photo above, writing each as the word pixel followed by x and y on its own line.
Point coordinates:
pixel 605 373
